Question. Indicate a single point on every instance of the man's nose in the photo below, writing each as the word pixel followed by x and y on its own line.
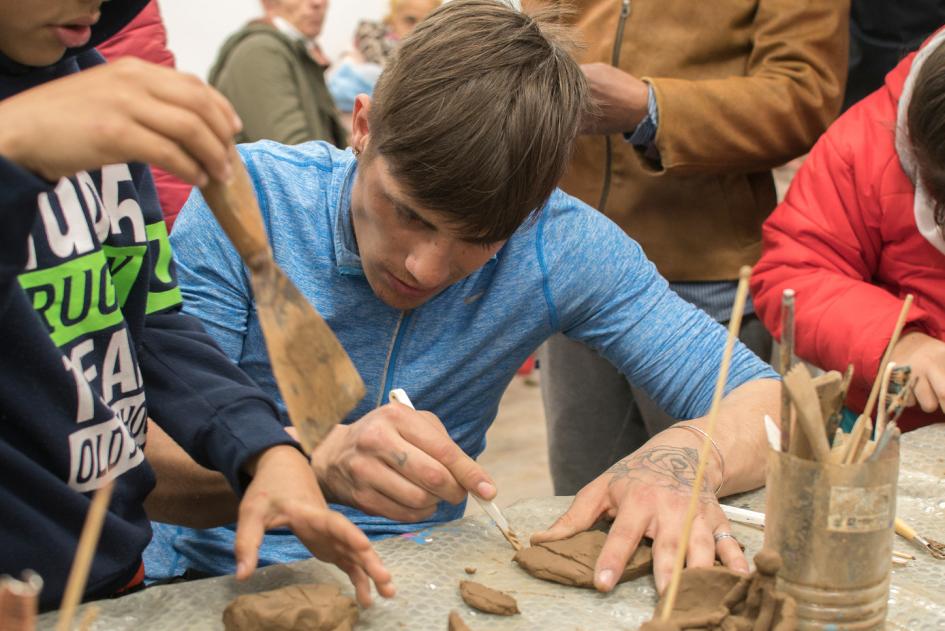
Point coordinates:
pixel 429 263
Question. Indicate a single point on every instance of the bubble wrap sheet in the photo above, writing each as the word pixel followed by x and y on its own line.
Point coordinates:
pixel 427 567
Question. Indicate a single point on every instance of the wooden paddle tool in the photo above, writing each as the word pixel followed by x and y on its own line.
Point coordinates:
pixel 317 379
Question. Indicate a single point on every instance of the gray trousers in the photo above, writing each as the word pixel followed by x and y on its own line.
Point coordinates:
pixel 594 416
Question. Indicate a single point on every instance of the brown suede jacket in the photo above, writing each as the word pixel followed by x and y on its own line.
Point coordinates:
pixel 741 86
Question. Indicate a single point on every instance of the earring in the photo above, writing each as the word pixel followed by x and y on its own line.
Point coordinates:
pixel 357 152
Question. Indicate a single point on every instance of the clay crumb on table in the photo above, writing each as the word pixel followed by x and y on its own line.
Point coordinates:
pixel 456 623
pixel 488 600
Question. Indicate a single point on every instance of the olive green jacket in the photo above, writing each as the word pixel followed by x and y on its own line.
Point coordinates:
pixel 276 87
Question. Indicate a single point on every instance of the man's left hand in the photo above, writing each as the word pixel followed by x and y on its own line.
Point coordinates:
pixel 647 494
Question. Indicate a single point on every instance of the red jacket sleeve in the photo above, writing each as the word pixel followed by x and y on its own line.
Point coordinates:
pixel 824 242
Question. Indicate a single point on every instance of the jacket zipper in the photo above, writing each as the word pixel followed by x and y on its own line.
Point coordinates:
pixel 608 143
pixel 392 351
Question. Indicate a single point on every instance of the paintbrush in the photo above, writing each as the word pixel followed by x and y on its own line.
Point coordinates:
pixel 787 353
pixel 934 548
pixel 897 331
pixel 400 396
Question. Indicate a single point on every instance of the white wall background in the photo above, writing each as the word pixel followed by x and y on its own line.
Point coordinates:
pixel 197 28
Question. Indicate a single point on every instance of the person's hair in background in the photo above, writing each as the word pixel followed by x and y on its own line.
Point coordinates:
pixel 462 117
pixel 926 128
pixel 406 14
pixel 374 43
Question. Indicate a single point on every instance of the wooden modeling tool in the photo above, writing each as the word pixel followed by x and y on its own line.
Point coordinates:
pixel 400 396
pixel 830 395
pixel 773 433
pixel 897 331
pixel 786 357
pixel 82 563
pixel 855 442
pixel 934 548
pixel 317 379
pixel 881 412
pixel 734 324
pixel 803 393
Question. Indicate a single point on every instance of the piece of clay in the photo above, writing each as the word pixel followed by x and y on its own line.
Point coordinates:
pixel 480 597
pixel 292 608
pixel 717 598
pixel 456 623
pixel 657 625
pixel 470 570
pixel 571 561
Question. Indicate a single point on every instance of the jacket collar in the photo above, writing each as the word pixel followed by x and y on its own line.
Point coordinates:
pixel 347 256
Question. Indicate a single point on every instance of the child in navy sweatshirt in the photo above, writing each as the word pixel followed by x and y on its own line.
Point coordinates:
pixel 94 339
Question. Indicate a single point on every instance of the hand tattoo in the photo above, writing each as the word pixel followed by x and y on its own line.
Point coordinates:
pixel 400 458
pixel 670 467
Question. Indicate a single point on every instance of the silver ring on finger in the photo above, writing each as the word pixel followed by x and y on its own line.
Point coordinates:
pixel 724 535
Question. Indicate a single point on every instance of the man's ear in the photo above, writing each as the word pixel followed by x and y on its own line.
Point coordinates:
pixel 360 127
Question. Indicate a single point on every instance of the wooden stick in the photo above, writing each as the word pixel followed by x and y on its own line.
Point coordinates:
pixel 800 386
pixel 734 324
pixel 883 402
pixel 787 353
pixel 897 331
pixel 82 563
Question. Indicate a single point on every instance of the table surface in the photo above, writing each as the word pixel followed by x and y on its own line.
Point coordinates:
pixel 428 565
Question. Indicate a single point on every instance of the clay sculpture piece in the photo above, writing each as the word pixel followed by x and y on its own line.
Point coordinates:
pixel 717 598
pixel 480 597
pixel 571 561
pixel 293 608
pixel 456 623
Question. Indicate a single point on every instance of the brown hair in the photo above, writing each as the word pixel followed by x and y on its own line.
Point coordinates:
pixel 476 114
pixel 926 123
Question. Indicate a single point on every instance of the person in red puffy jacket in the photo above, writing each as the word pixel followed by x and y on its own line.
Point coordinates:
pixel 146 38
pixel 860 228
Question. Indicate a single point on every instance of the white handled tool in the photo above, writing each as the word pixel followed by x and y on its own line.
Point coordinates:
pixel 400 396
pixel 744 516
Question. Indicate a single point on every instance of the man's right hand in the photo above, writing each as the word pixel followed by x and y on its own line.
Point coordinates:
pixel 926 356
pixel 127 111
pixel 397 463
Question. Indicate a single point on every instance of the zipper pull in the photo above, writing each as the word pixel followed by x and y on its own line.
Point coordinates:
pixel 625 8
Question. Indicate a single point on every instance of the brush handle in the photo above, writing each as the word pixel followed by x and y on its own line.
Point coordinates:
pixel 787 353
pixel 234 205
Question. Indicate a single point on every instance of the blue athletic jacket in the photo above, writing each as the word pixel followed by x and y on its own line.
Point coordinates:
pixel 571 270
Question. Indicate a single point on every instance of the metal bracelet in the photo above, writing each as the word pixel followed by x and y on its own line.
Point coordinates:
pixel 718 451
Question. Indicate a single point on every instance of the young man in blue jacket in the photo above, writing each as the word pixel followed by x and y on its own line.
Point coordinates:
pixel 439 251
pixel 90 310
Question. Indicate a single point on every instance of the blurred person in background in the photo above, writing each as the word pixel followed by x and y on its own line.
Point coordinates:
pixel 881 34
pixel 273 72
pixel 374 42
pixel 696 103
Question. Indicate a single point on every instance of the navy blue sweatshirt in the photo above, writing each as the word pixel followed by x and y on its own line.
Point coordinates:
pixel 93 343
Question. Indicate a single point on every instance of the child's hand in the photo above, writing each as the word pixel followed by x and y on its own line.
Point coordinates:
pixel 283 494
pixel 128 111
pixel 926 356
